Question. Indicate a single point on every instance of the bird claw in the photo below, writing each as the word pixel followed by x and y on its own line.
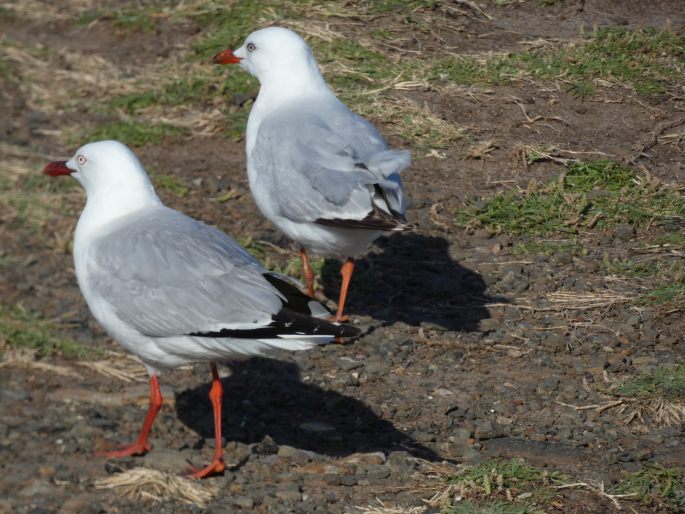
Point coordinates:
pixel 217 467
pixel 129 450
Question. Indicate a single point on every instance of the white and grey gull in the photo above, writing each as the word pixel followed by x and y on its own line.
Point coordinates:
pixel 321 173
pixel 173 290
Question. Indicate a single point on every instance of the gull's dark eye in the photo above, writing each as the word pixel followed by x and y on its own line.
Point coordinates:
pixel 80 159
pixel 251 47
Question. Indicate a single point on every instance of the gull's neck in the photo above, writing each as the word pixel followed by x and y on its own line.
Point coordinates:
pixel 280 90
pixel 104 207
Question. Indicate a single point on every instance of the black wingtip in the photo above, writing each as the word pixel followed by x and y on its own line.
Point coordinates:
pixel 348 330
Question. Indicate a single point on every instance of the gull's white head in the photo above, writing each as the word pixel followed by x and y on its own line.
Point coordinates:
pixel 276 56
pixel 110 172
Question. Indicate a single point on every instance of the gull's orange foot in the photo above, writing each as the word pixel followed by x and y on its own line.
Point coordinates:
pixel 126 451
pixel 217 467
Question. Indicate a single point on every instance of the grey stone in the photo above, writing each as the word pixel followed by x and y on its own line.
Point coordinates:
pixel 537 452
pixel 348 480
pixel 37 487
pixel 365 458
pixel 332 478
pixel 169 461
pixel 399 458
pixel 317 427
pixel 348 364
pixel 13 395
pixel 376 472
pixel 489 324
pixel 80 504
pixel 289 494
pixel 624 232
pixel 462 435
pixel 244 502
pixel 564 258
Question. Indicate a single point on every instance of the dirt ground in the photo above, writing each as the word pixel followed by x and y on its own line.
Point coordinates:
pixel 470 350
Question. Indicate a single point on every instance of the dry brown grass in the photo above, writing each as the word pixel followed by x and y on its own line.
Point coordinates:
pixel 119 366
pixel 26 358
pixel 662 411
pixel 382 508
pixel 142 484
pixel 570 300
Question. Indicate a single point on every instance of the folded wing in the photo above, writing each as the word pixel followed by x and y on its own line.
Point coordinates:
pixel 318 169
pixel 168 275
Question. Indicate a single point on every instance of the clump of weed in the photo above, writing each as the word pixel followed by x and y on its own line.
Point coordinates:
pixel 20 328
pixel 591 194
pixel 665 295
pixel 672 239
pixel 511 486
pixel 655 485
pixel 666 383
pixel 492 507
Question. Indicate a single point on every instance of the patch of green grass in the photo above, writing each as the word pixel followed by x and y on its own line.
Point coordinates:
pixel 200 92
pixel 548 247
pixel 181 92
pixel 273 260
pixel 648 60
pixel 493 484
pixel 7 72
pixel 491 507
pixel 672 239
pixel 592 194
pixel 227 25
pixel 31 200
pixel 395 6
pixel 20 328
pixel 631 268
pixel 139 20
pixel 89 16
pixel 672 295
pixel 134 20
pixel 655 485
pixel 7 14
pixel 666 383
pixel 132 133
pixel 169 183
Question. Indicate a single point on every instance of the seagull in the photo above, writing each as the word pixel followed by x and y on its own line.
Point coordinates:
pixel 322 174
pixel 174 291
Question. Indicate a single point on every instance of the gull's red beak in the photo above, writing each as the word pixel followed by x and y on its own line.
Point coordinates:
pixel 226 57
pixel 55 169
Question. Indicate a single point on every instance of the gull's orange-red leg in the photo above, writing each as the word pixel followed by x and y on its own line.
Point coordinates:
pixel 141 446
pixel 346 272
pixel 215 394
pixel 307 272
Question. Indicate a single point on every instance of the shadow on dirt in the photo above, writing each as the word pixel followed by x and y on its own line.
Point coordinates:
pixel 267 397
pixel 411 278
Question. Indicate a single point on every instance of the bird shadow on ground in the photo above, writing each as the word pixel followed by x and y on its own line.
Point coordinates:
pixel 411 278
pixel 266 397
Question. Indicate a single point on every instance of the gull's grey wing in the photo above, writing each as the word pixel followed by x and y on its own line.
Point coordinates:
pixel 323 162
pixel 166 274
